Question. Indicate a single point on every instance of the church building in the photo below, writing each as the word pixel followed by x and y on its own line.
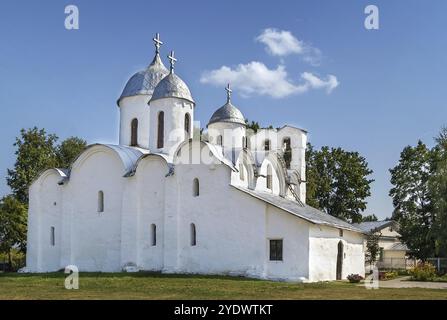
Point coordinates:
pixel 174 199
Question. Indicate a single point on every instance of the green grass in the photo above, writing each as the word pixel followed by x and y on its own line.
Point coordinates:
pixel 162 286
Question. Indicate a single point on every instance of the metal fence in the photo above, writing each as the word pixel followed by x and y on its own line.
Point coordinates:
pixel 439 263
pixel 394 263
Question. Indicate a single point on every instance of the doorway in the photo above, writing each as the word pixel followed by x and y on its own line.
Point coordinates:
pixel 339 261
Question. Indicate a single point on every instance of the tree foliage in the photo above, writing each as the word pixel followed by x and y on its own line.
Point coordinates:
pixel 37 151
pixel 13 216
pixel 369 218
pixel 372 247
pixel 337 182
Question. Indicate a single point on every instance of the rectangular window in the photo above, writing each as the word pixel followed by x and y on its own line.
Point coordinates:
pixel 275 250
pixel 340 231
pixel 52 238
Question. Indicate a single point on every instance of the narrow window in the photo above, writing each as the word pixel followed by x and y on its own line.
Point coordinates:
pixel 340 232
pixel 161 130
pixel 52 237
pixel 275 250
pixel 267 145
pixel 287 152
pixel 188 125
pixel 134 132
pixel 153 235
pixel 244 142
pixel 195 187
pixel 219 140
pixel 100 201
pixel 241 171
pixel 193 234
pixel 269 177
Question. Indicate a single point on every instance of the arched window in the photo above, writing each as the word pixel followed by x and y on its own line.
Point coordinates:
pixel 241 171
pixel 219 140
pixel 195 187
pixel 161 129
pixel 153 235
pixel 134 132
pixel 269 177
pixel 100 201
pixel 188 125
pixel 193 234
pixel 287 150
pixel 244 142
pixel 52 237
pixel 267 145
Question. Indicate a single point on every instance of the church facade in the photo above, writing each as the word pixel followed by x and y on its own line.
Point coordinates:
pixel 172 199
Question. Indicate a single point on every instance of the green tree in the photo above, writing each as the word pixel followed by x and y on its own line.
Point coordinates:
pixel 372 247
pixel 413 207
pixel 337 182
pixel 35 153
pixel 68 150
pixel 438 192
pixel 13 217
pixel 369 218
pixel 253 125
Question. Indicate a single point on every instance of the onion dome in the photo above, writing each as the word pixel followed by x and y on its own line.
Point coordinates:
pixel 228 112
pixel 145 81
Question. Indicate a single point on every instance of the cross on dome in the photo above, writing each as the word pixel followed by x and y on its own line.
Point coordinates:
pixel 229 91
pixel 173 60
pixel 157 42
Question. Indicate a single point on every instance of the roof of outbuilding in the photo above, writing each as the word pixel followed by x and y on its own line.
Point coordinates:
pixel 374 225
pixel 300 210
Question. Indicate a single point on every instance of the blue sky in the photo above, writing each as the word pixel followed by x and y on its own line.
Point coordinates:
pixel 391 82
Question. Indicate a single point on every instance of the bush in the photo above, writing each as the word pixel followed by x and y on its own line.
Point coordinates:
pixel 355 278
pixel 423 272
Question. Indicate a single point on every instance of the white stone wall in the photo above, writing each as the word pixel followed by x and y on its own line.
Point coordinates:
pixel 323 251
pixel 134 107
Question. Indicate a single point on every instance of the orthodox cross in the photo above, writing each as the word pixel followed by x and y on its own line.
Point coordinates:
pixel 157 42
pixel 172 58
pixel 229 91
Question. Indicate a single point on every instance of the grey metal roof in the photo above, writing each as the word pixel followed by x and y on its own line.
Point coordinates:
pixel 373 225
pixel 302 211
pixel 227 113
pixel 128 155
pixel 172 86
pixel 145 81
pixel 398 246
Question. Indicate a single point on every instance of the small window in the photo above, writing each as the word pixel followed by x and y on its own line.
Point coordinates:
pixel 153 235
pixel 275 250
pixel 193 234
pixel 188 125
pixel 340 232
pixel 196 187
pixel 134 133
pixel 161 130
pixel 381 254
pixel 219 140
pixel 52 237
pixel 287 151
pixel 241 172
pixel 269 177
pixel 100 201
pixel 244 142
pixel 267 145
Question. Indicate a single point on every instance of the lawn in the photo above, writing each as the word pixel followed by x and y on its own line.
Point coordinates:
pixel 162 286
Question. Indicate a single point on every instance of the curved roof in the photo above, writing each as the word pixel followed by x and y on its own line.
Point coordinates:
pixel 227 113
pixel 172 86
pixel 145 81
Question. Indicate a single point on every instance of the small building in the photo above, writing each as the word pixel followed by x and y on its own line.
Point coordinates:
pixel 393 253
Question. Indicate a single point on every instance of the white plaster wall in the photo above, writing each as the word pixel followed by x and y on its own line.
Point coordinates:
pixel 323 251
pixel 261 183
pixel 295 235
pixel 150 187
pixel 232 134
pixel 95 237
pixel 174 122
pixel 131 108
pixel 45 212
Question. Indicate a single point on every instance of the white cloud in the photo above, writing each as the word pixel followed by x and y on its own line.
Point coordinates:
pixel 282 43
pixel 256 78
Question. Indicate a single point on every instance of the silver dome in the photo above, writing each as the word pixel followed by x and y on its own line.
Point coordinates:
pixel 145 81
pixel 227 113
pixel 172 86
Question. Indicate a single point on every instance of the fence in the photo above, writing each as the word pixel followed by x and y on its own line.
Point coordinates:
pixel 394 263
pixel 439 263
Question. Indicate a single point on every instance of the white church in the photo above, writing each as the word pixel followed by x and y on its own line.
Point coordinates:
pixel 169 198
